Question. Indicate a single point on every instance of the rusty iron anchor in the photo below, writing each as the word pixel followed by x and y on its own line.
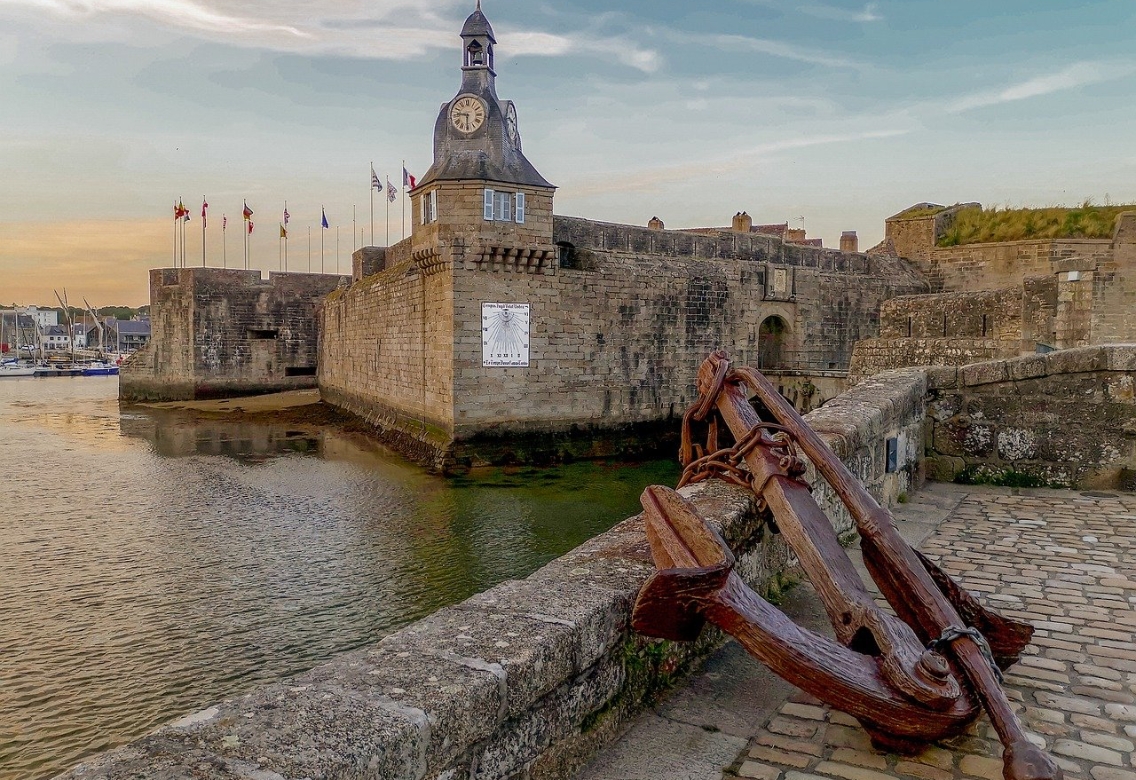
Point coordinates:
pixel 888 672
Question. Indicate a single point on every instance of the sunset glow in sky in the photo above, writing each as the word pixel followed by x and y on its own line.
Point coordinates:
pixel 840 113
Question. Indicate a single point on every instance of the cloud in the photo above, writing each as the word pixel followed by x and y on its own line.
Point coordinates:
pixel 742 43
pixel 653 179
pixel 821 11
pixel 1078 74
pixel 176 13
pixel 383 30
pixel 523 43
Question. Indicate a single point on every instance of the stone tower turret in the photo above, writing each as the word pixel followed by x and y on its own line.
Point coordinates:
pixel 481 182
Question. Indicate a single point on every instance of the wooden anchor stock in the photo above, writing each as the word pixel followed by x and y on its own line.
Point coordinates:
pixel 885 671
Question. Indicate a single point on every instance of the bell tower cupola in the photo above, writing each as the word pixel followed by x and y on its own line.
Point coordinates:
pixel 478 74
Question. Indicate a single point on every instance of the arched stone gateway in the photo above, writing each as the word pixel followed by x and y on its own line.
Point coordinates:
pixel 771 343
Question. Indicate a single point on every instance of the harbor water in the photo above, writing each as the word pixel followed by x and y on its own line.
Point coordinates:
pixel 154 562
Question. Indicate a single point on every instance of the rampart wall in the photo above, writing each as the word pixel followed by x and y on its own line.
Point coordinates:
pixel 619 323
pixel 974 267
pixel 1067 418
pixel 526 680
pixel 220 332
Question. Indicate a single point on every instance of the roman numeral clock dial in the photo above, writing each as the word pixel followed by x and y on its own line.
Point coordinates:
pixel 467 114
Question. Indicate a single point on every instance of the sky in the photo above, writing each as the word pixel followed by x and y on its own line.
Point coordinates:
pixel 829 114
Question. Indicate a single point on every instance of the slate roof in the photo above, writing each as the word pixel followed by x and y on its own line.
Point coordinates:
pixel 477 25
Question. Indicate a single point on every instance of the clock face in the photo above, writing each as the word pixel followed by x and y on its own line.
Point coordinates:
pixel 467 114
pixel 511 122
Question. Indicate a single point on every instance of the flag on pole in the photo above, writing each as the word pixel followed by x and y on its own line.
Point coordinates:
pixel 204 206
pixel 392 193
pixel 283 232
pixel 287 216
pixel 179 210
pixel 224 222
pixel 408 180
pixel 375 183
pixel 323 222
pixel 250 227
pixel 248 213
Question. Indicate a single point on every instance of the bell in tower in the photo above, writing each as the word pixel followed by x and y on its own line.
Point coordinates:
pixel 477 66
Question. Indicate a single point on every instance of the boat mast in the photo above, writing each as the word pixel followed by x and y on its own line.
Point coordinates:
pixel 70 321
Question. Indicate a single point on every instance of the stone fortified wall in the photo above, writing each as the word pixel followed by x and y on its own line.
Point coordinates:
pixel 619 322
pixel 1067 418
pixel 220 332
pixel 527 680
pixel 1062 294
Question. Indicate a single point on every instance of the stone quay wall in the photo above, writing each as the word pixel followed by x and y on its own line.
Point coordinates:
pixel 1065 419
pixel 527 680
pixel 619 323
pixel 386 356
pixel 227 332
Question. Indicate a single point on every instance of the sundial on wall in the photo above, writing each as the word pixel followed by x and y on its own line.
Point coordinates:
pixel 505 334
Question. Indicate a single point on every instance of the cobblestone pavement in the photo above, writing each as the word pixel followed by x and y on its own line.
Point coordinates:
pixel 1064 561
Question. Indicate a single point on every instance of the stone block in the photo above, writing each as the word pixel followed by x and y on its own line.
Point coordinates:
pixel 318 730
pixel 1121 357
pixel 597 617
pixel 523 738
pixel 942 377
pixel 984 373
pixel 943 468
pixel 534 656
pixel 944 407
pixel 1028 367
pixel 1076 361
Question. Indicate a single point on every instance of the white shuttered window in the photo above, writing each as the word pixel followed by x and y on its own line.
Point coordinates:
pixel 489 204
pixel 520 201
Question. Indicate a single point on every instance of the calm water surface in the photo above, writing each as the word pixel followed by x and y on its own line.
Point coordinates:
pixel 151 564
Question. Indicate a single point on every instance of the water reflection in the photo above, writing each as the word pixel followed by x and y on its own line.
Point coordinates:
pixel 155 562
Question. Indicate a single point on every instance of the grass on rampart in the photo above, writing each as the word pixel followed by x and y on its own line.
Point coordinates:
pixel 979 226
pixel 915 212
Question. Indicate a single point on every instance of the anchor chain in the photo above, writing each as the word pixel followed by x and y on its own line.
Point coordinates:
pixel 951 633
pixel 728 463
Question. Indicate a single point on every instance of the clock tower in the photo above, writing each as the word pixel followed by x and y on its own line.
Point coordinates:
pixel 482 196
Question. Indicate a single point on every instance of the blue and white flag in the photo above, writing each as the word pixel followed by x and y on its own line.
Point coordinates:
pixel 392 193
pixel 323 222
pixel 375 183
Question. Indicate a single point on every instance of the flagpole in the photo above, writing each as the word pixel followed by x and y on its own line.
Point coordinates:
pixel 388 201
pixel 285 237
pixel 224 241
pixel 404 199
pixel 309 248
pixel 372 203
pixel 337 249
pixel 323 230
pixel 204 203
pixel 175 255
pixel 353 220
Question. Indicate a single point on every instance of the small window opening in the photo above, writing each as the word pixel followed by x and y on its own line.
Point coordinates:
pixel 944 324
pixel 567 254
pixel 262 335
pixel 300 371
pixel 984 325
pixel 908 327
